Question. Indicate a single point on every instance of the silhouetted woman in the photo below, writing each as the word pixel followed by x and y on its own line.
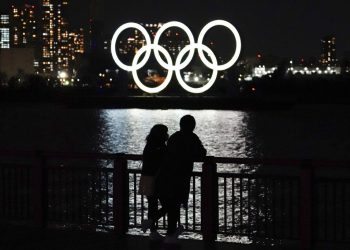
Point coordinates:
pixel 153 158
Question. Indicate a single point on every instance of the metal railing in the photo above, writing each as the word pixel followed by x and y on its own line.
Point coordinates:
pixel 99 191
pixel 258 205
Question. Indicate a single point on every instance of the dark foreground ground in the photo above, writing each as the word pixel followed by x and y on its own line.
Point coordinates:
pixel 31 239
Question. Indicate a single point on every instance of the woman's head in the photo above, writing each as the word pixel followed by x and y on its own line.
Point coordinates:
pixel 158 134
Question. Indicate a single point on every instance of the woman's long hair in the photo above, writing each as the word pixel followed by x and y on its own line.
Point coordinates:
pixel 158 134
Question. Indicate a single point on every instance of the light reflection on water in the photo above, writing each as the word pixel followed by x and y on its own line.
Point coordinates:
pixel 223 133
pixel 316 132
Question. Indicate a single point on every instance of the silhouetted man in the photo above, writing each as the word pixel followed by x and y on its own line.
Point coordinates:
pixel 184 147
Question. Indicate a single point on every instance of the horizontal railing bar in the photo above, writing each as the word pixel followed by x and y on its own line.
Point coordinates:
pixel 16 165
pixel 344 179
pixel 138 171
pixel 62 155
pixel 79 155
pixel 15 153
pixel 103 169
pixel 133 157
pixel 136 157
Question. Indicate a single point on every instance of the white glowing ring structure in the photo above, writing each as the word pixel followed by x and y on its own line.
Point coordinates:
pixel 114 42
pixel 238 44
pixel 179 65
pixel 211 80
pixel 134 70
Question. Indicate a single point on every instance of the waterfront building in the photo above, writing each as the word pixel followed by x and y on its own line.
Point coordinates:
pixel 60 45
pixel 76 42
pixel 328 51
pixel 54 36
pixel 24 29
pixel 4 31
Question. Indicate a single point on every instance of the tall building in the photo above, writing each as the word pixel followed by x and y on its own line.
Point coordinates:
pixel 76 48
pixel 44 29
pixel 24 30
pixel 56 53
pixel 77 42
pixel 4 31
pixel 51 32
pixel 63 50
pixel 328 51
pixel 59 43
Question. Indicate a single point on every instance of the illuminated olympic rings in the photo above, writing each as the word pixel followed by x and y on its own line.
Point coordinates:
pixel 179 64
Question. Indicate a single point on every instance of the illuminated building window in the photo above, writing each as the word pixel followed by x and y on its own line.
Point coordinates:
pixel 328 53
pixel 4 38
pixel 4 32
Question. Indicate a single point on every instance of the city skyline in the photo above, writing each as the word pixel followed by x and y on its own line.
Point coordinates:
pixel 59 51
pixel 44 33
pixel 291 29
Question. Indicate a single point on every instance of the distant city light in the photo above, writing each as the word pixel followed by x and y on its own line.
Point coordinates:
pixel 65 83
pixel 248 78
pixel 313 70
pixel 261 71
pixel 62 75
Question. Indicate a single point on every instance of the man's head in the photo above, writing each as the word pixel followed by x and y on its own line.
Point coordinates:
pixel 187 123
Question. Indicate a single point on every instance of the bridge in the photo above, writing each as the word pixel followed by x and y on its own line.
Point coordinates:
pixel 242 202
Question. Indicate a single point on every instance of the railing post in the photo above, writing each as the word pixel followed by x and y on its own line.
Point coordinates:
pixel 306 205
pixel 40 191
pixel 120 195
pixel 209 200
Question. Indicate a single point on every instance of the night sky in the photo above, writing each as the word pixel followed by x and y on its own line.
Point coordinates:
pixel 285 28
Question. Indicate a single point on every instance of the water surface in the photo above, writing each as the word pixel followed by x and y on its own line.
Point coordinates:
pixel 319 132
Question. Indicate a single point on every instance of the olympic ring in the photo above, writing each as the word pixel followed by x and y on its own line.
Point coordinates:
pixel 213 77
pixel 238 45
pixel 190 36
pixel 134 70
pixel 114 41
pixel 179 65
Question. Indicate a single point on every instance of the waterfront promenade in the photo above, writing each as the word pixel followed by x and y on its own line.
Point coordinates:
pixel 31 239
pixel 303 208
pixel 14 238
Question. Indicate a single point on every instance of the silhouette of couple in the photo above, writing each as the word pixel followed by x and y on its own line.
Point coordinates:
pixel 166 174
